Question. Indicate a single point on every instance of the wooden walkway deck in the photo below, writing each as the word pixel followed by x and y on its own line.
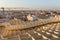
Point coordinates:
pixel 50 32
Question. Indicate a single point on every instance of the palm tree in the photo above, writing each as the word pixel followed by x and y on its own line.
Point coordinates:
pixel 2 9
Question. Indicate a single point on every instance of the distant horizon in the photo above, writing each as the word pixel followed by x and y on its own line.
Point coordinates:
pixel 21 8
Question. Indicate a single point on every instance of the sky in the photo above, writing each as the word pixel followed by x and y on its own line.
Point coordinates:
pixel 33 4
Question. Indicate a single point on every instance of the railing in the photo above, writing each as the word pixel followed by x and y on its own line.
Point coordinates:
pixel 24 25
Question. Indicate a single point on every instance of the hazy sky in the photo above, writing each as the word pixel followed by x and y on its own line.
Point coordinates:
pixel 35 4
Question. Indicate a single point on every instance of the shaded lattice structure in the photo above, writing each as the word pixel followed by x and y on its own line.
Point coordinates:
pixel 45 32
